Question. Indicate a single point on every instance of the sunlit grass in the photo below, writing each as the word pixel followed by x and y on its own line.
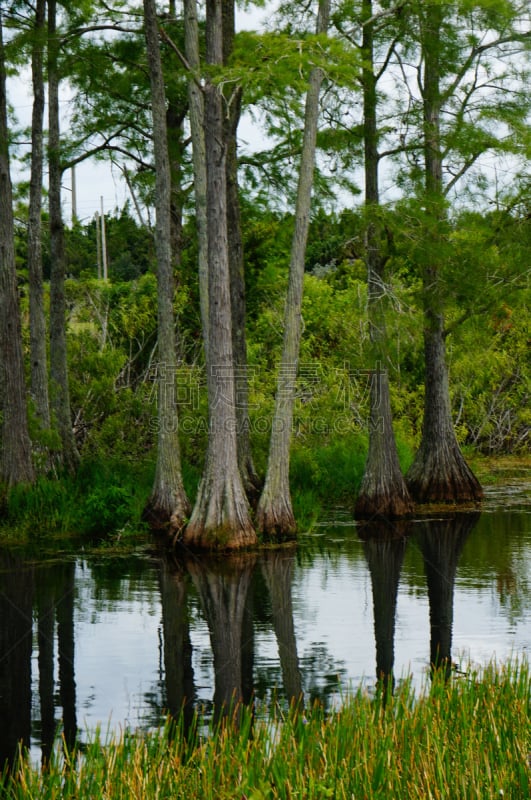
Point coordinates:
pixel 469 737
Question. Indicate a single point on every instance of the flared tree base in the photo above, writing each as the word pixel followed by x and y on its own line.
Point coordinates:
pixel 167 514
pixel 385 500
pixel 221 518
pixel 230 536
pixel 441 475
pixel 383 493
pixel 275 520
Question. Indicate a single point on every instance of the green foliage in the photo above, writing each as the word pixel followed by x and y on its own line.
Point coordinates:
pixel 113 362
pixel 277 65
pixel 103 497
pixel 332 471
pixel 107 508
pixel 48 505
pixel 129 247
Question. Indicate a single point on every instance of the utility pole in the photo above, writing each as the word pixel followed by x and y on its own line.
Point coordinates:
pixel 103 242
pixel 74 197
pixel 98 242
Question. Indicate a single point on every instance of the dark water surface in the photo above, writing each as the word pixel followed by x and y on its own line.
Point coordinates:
pixel 115 642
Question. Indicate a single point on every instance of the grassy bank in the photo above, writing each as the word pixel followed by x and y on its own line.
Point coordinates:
pixel 467 738
pixel 105 499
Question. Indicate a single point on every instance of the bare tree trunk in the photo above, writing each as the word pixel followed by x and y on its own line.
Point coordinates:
pixel 196 112
pixel 38 359
pixel 60 393
pixel 221 516
pixel 168 506
pixel 275 513
pixel 383 491
pixel 15 457
pixel 248 472
pixel 439 472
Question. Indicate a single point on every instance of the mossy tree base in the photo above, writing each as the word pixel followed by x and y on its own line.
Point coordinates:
pixel 221 518
pixel 275 519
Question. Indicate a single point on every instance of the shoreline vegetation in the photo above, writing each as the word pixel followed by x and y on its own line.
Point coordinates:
pixel 101 506
pixel 464 737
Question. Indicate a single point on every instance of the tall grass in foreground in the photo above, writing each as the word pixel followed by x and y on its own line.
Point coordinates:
pixel 466 738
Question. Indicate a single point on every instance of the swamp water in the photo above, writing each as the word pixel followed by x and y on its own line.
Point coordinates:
pixel 114 642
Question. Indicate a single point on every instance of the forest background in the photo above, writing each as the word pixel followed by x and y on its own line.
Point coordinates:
pixel 446 137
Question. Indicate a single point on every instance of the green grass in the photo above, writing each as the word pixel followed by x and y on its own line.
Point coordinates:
pixel 466 738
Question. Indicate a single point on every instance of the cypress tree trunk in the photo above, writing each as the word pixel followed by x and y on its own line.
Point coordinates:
pixel 275 513
pixel 383 491
pixel 221 516
pixel 15 457
pixel 196 114
pixel 60 393
pixel 439 472
pixel 38 359
pixel 251 481
pixel 168 506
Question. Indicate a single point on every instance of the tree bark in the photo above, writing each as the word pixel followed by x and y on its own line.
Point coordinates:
pixel 439 473
pixel 221 516
pixel 275 513
pixel 251 481
pixel 196 111
pixel 60 392
pixel 15 458
pixel 38 358
pixel 168 506
pixel 383 491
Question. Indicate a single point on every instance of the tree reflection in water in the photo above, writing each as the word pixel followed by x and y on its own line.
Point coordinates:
pixel 441 543
pixel 52 587
pixel 384 545
pixel 178 670
pixel 16 599
pixel 223 586
pixel 277 569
